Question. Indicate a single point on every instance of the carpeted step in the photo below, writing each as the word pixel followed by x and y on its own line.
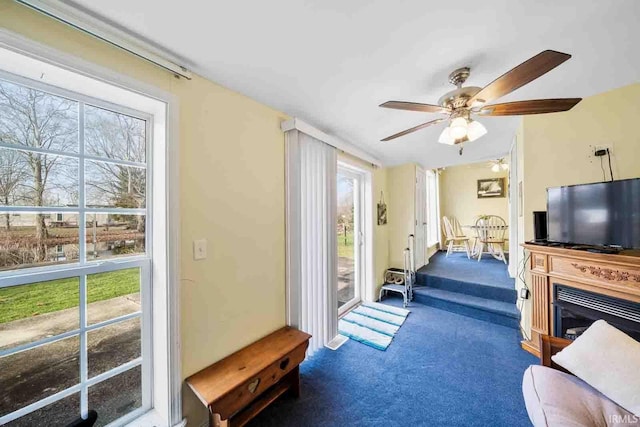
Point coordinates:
pixel 498 312
pixel 481 290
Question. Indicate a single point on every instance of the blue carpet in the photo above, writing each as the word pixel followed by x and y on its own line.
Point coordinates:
pixel 489 271
pixel 482 290
pixel 490 310
pixel 443 369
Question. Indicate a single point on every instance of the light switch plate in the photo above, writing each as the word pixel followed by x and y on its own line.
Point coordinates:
pixel 199 249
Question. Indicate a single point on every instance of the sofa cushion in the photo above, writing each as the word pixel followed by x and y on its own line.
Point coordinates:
pixel 608 360
pixel 554 398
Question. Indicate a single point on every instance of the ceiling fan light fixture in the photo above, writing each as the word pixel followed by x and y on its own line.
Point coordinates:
pixel 458 128
pixel 498 164
pixel 475 130
pixel 446 138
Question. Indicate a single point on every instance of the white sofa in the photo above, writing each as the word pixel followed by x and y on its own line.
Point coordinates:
pixel 554 397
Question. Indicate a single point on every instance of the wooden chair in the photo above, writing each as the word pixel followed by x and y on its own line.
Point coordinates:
pixel 548 347
pixel 490 232
pixel 453 237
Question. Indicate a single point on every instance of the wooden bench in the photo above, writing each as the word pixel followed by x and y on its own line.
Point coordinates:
pixel 238 387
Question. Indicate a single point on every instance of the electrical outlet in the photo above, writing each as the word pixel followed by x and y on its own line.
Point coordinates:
pixel 593 151
pixel 199 249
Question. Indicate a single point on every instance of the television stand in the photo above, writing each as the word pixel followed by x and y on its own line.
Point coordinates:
pixel 541 242
pixel 611 251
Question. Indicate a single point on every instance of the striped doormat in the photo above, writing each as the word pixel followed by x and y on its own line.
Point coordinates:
pixel 373 324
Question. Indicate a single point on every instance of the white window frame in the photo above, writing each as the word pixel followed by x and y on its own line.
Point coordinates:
pixel 84 267
pixel 68 72
pixel 433 209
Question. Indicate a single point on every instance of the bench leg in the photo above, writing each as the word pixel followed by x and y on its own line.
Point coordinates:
pixel 215 421
pixel 294 381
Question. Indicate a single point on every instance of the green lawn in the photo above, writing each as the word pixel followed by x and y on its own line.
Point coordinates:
pixel 345 250
pixel 19 302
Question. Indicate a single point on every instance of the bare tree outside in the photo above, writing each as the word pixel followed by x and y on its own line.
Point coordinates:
pixel 35 119
pixel 12 174
pixel 38 131
pixel 118 137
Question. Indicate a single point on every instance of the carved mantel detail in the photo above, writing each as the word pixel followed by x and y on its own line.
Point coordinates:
pixel 608 273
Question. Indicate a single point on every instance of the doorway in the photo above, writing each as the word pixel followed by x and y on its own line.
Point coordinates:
pixel 350 226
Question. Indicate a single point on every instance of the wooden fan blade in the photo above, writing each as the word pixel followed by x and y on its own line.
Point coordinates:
pixel 413 106
pixel 413 129
pixel 519 76
pixel 533 106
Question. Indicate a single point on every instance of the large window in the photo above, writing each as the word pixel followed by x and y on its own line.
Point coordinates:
pixel 74 257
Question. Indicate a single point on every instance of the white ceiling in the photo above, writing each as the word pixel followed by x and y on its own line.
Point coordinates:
pixel 332 62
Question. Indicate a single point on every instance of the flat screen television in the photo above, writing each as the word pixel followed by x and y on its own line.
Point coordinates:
pixel 600 214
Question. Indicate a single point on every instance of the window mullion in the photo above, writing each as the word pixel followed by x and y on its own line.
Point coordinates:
pixel 81 191
pixel 84 394
pixel 147 348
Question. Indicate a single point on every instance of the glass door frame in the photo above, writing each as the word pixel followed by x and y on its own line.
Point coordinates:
pixel 359 264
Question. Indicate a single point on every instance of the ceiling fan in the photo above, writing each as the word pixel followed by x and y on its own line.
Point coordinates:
pixel 499 164
pixel 463 102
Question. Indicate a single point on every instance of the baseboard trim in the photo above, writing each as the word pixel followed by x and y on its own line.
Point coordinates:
pixel 526 345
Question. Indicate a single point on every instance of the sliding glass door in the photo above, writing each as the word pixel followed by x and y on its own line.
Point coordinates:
pixel 349 237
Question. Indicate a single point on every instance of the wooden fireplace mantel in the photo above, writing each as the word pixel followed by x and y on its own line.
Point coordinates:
pixel 613 275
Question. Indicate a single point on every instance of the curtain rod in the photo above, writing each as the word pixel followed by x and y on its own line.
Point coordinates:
pixel 94 27
pixel 346 147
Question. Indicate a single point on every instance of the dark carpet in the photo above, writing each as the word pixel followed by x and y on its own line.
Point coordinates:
pixel 442 369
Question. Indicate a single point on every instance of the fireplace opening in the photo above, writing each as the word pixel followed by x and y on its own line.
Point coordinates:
pixel 576 309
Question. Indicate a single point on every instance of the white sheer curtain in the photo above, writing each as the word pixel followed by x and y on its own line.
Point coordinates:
pixel 312 300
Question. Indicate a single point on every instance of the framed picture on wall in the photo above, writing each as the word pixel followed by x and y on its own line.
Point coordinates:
pixel 490 188
pixel 382 213
pixel 382 210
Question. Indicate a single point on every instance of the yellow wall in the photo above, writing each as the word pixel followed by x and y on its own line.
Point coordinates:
pixel 459 193
pixel 231 193
pixel 401 182
pixel 556 149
